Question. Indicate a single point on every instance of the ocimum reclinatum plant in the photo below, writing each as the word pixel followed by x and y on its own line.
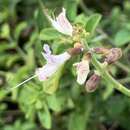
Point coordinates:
pixel 62 67
pixel 77 35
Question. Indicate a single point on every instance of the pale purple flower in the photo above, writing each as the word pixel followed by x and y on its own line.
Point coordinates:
pixel 61 23
pixel 83 70
pixel 53 63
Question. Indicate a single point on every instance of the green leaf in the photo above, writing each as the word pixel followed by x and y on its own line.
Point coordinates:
pixel 51 85
pixel 122 37
pixel 82 19
pixel 92 22
pixel 6 46
pixel 5 31
pixel 38 104
pixel 49 34
pixel 108 91
pixel 20 27
pixel 45 117
pixel 30 61
pixel 57 101
pixel 79 119
pixel 54 103
pixel 3 94
pixel 12 60
pixel 41 19
pixel 71 9
pixel 116 109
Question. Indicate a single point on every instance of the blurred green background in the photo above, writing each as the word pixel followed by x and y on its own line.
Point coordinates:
pixel 22 33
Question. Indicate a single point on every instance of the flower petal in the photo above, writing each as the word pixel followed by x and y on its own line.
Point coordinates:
pixel 60 59
pixel 64 23
pixel 61 23
pixel 46 71
pixel 56 25
pixel 47 49
pixel 53 63
pixel 49 58
pixel 82 71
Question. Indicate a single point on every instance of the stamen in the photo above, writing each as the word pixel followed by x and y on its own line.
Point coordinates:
pixel 22 82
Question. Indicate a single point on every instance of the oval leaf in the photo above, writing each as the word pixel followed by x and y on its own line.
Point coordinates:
pixel 71 9
pixel 122 37
pixel 45 117
pixel 92 22
pixel 49 34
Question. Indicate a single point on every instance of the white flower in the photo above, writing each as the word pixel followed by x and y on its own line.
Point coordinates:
pixel 61 23
pixel 82 71
pixel 53 63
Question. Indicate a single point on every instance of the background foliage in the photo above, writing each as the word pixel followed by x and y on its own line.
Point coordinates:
pixel 35 106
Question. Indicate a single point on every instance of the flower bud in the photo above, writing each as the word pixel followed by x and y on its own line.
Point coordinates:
pixel 87 56
pixel 92 83
pixel 78 45
pixel 113 55
pixel 101 50
pixel 75 51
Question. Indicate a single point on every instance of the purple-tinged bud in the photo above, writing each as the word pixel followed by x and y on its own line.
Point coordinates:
pixel 78 45
pixel 87 56
pixel 101 50
pixel 92 83
pixel 75 51
pixel 113 55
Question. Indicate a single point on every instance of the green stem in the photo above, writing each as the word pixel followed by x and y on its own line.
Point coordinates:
pixel 105 75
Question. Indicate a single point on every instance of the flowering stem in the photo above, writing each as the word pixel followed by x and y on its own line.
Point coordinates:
pixel 107 76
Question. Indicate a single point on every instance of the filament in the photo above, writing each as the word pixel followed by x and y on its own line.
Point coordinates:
pixel 23 82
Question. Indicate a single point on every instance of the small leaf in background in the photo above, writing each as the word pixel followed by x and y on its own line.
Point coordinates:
pixel 52 84
pixel 3 94
pixel 81 19
pixel 116 106
pixel 12 60
pixel 57 101
pixel 41 19
pixel 5 46
pixel 5 31
pixel 78 120
pixel 92 22
pixel 20 125
pixel 30 113
pixel 49 34
pixel 108 91
pixel 30 61
pixel 19 28
pixel 38 104
pixel 76 91
pixel 71 9
pixel 122 37
pixel 45 117
pixel 54 103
